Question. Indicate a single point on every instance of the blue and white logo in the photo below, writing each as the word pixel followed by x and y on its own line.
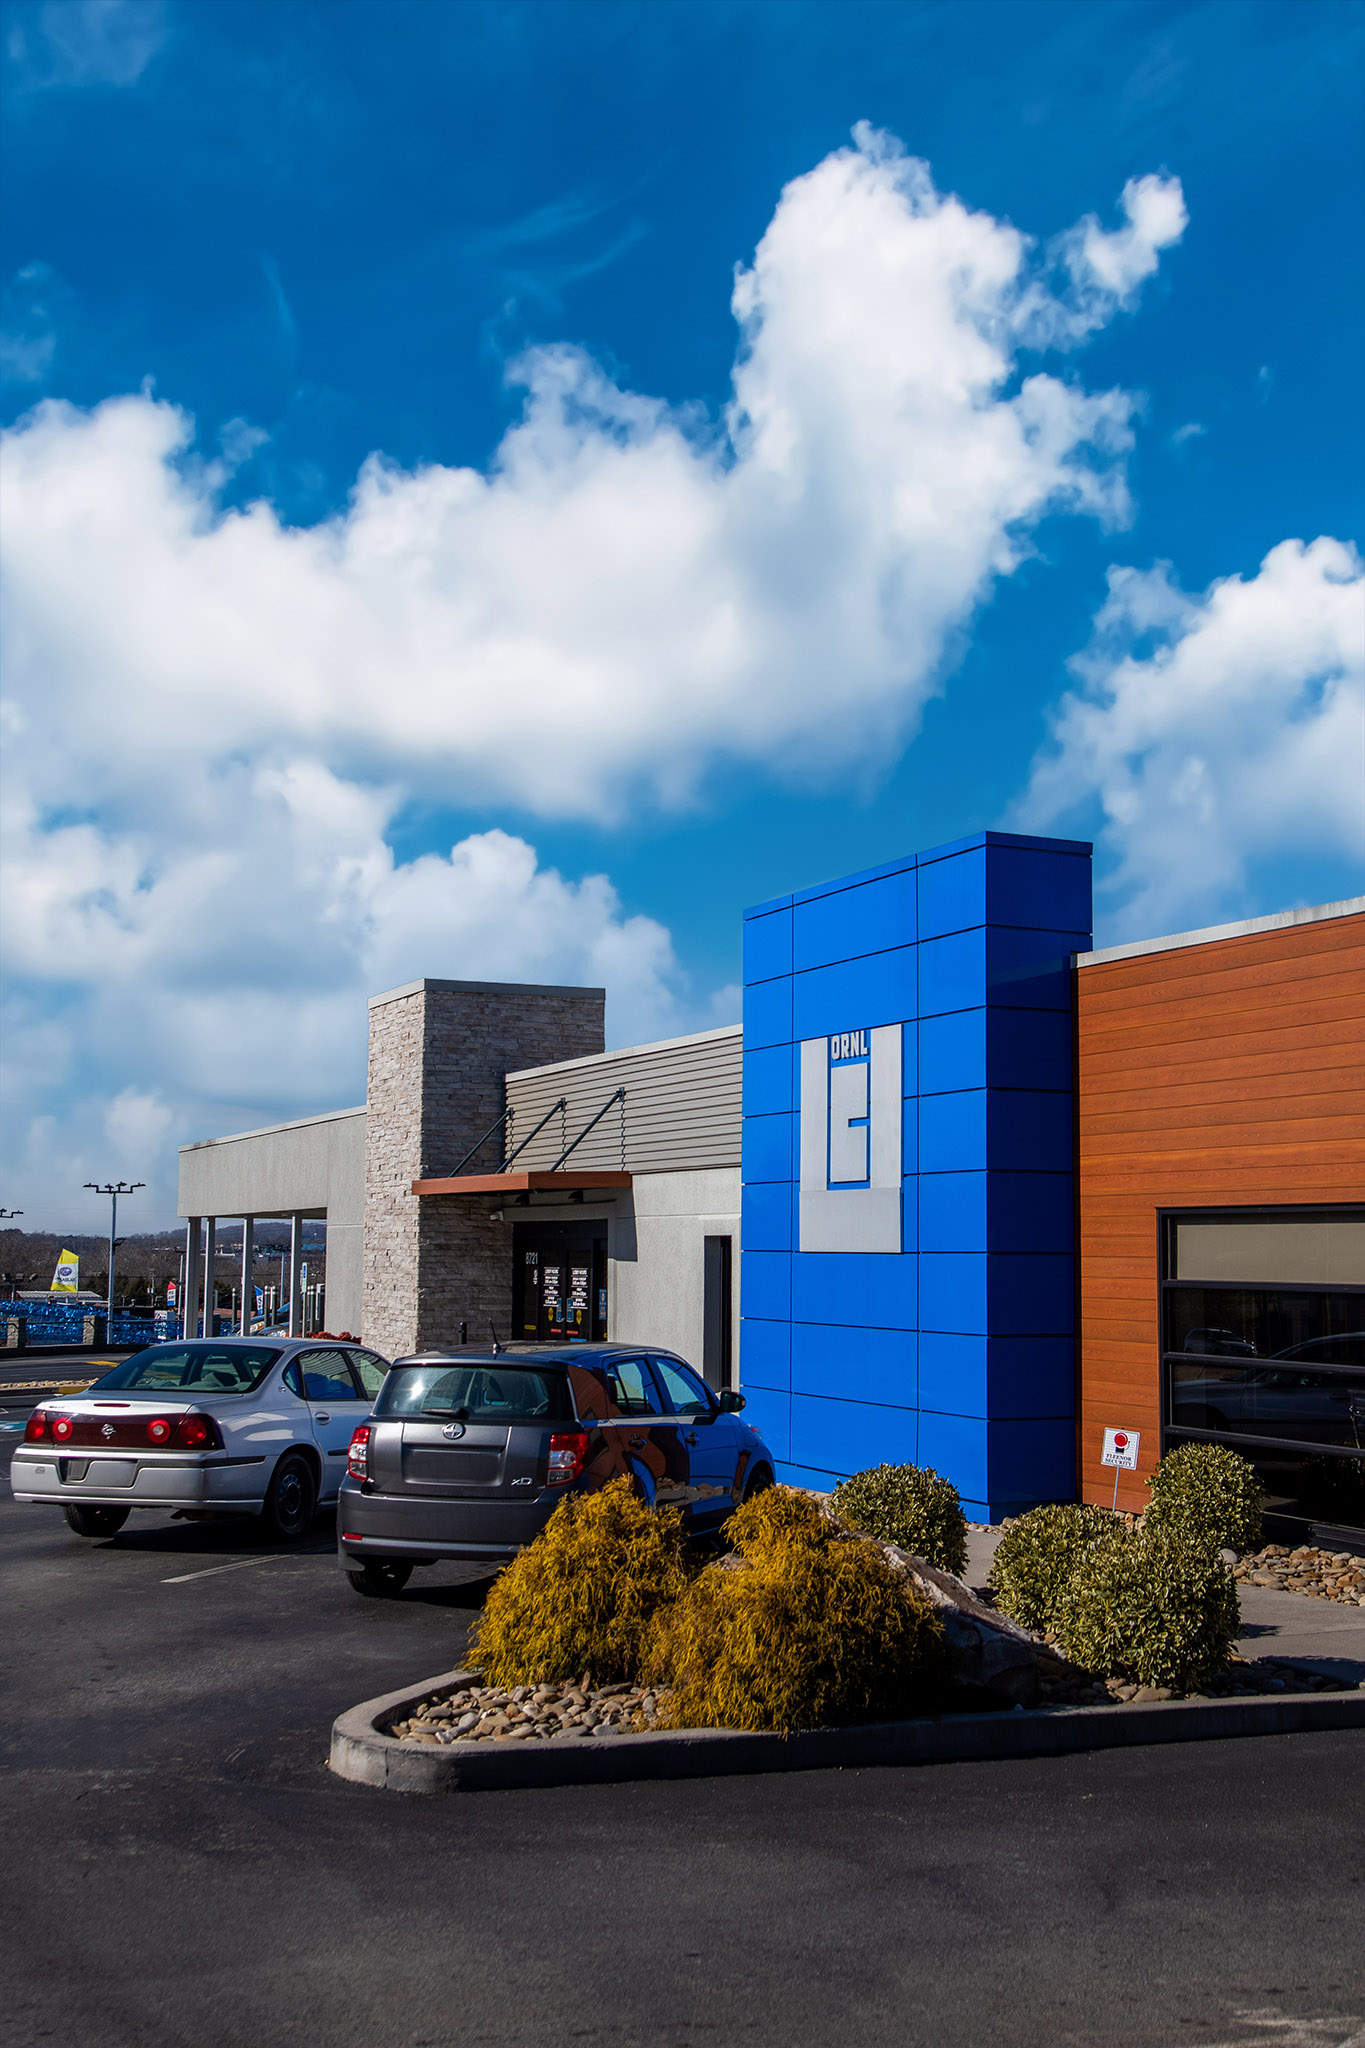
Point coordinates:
pixel 850 1195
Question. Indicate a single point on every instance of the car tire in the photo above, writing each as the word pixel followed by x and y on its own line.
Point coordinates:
pixel 758 1482
pixel 291 1500
pixel 93 1521
pixel 382 1579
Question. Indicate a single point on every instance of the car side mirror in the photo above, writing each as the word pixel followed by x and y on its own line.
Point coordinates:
pixel 731 1401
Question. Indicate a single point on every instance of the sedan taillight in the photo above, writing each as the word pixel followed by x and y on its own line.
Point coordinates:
pixel 198 1433
pixel 159 1430
pixel 35 1430
pixel 568 1454
pixel 62 1426
pixel 358 1456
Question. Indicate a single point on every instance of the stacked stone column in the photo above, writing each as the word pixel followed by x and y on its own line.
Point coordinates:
pixel 439 1054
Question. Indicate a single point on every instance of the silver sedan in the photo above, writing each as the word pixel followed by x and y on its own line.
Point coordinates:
pixel 238 1425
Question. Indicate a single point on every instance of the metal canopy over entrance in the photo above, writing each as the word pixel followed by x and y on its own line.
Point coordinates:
pixel 522 1183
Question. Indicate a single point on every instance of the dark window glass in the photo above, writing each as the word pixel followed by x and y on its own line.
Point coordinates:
pixel 1271 1398
pixel 632 1388
pixel 327 1376
pixel 1265 1322
pixel 475 1393
pixel 685 1391
pixel 369 1370
pixel 293 1378
pixel 191 1368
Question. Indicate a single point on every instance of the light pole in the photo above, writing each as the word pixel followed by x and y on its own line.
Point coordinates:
pixel 113 1188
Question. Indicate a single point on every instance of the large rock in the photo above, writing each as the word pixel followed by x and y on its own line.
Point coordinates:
pixel 989 1651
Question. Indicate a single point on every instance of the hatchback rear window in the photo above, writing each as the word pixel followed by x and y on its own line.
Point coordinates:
pixel 475 1393
pixel 197 1368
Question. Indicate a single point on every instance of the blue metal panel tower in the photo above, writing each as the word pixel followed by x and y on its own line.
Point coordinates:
pixel 907 1272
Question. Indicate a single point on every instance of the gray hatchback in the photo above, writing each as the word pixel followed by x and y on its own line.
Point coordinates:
pixel 468 1452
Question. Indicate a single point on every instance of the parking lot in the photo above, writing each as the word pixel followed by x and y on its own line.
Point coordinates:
pixel 181 1867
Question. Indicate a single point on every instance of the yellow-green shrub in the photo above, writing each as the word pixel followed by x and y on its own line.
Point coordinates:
pixel 911 1506
pixel 1036 1556
pixel 581 1597
pixel 1207 1490
pixel 1153 1605
pixel 813 1628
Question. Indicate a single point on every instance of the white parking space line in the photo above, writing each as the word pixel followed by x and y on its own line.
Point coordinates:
pixel 243 1564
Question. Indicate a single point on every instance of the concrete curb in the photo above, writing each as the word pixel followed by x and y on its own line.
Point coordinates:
pixel 366 1757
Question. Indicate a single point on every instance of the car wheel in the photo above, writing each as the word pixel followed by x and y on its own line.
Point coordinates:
pixel 759 1482
pixel 382 1579
pixel 290 1501
pixel 96 1521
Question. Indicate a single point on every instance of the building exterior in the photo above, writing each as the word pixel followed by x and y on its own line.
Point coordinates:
pixel 959 1191
pixel 1220 1154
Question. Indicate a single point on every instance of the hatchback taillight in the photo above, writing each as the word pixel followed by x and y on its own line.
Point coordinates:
pixel 568 1454
pixel 199 1433
pixel 358 1457
pixel 35 1429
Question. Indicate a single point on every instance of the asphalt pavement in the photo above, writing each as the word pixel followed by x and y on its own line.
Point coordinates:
pixel 180 1867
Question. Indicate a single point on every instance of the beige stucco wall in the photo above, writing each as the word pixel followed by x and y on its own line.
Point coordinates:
pixel 314 1166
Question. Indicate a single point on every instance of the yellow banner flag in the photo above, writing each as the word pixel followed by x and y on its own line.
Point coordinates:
pixel 67 1278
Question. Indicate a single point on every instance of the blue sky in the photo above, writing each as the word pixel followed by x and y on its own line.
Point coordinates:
pixel 293 236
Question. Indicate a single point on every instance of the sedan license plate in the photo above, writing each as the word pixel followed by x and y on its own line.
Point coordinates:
pixel 111 1472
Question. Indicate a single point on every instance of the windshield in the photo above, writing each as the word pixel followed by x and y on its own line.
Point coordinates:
pixel 191 1368
pixel 475 1393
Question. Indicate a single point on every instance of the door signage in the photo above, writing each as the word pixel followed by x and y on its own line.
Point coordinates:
pixel 851 1109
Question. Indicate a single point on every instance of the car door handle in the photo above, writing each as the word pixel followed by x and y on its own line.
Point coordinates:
pixel 691 1437
pixel 318 1416
pixel 635 1443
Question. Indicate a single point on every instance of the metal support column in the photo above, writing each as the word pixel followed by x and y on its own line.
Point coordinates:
pixel 189 1296
pixel 248 1260
pixel 210 1271
pixel 295 1276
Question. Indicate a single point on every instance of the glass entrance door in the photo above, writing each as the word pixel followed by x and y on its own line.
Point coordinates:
pixel 560 1282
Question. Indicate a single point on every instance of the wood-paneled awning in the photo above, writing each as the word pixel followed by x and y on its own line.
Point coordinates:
pixel 522 1183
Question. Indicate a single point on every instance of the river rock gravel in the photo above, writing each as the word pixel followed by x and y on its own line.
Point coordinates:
pixel 530 1713
pixel 1322 1574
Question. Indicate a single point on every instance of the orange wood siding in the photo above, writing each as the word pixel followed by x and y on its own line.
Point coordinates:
pixel 1218 1075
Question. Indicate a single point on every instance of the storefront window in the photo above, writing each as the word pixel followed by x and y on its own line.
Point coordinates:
pixel 1263 1343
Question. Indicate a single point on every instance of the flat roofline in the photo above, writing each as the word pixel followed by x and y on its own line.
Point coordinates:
pixel 486 988
pixel 626 1052
pixel 1279 920
pixel 298 1123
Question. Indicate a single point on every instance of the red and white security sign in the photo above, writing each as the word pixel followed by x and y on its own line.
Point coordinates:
pixel 1121 1449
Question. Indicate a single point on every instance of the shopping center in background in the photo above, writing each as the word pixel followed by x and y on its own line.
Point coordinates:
pixel 960 1191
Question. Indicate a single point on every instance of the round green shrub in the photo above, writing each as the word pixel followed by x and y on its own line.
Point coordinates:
pixel 582 1596
pixel 1208 1491
pixel 1036 1556
pixel 1154 1605
pixel 808 1627
pixel 910 1506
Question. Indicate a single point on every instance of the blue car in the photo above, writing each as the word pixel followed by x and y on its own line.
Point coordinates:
pixel 468 1452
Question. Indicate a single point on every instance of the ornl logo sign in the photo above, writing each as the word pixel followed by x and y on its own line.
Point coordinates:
pixel 850 1196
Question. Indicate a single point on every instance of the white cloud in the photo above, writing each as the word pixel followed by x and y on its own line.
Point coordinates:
pixel 1213 731
pixel 85 42
pixel 213 717
pixel 231 978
